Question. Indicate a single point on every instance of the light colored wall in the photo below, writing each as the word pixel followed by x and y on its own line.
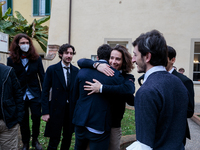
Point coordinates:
pixel 93 21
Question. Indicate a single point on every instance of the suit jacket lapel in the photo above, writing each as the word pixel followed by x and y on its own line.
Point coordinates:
pixel 72 75
pixel 174 72
pixel 60 74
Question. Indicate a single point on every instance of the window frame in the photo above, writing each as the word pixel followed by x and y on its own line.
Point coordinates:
pixel 9 4
pixel 193 41
pixel 36 8
pixel 128 40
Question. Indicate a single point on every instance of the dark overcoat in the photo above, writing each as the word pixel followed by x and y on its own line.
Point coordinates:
pixel 56 104
pixel 190 87
pixel 29 79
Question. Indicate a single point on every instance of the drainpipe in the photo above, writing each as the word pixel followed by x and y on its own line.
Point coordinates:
pixel 70 10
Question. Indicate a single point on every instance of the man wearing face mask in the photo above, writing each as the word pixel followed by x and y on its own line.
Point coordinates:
pixel 28 67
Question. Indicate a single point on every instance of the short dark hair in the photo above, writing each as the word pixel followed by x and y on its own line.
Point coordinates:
pixel 127 64
pixel 171 52
pixel 181 69
pixel 64 48
pixel 103 52
pixel 153 42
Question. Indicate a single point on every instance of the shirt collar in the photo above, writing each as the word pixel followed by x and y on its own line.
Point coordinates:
pixel 63 65
pixel 102 60
pixel 152 70
pixel 171 70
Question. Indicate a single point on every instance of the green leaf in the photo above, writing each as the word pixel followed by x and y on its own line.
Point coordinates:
pixel 44 47
pixel 42 20
pixel 0 11
pixel 20 17
pixel 41 39
pixel 8 11
pixel 41 34
pixel 6 25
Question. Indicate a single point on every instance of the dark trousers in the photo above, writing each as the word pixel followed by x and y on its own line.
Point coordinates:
pixel 35 108
pixel 96 141
pixel 67 134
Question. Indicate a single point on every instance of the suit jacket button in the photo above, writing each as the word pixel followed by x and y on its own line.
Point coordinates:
pixel 56 99
pixel 54 109
pixel 57 88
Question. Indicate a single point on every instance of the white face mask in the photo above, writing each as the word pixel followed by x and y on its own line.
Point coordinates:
pixel 24 47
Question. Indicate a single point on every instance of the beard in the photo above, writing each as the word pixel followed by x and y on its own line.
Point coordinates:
pixel 142 67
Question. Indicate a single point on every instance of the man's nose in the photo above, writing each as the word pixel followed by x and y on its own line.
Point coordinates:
pixel 133 59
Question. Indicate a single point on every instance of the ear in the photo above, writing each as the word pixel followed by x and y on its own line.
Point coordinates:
pixel 97 58
pixel 148 57
pixel 60 55
pixel 173 60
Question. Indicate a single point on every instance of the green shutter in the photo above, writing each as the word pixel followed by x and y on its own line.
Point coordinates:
pixel 47 7
pixel 10 5
pixel 35 7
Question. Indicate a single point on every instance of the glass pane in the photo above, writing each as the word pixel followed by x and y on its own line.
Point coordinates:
pixel 196 77
pixel 196 67
pixel 196 58
pixel 114 43
pixel 197 47
pixel 4 7
pixel 94 57
pixel 42 7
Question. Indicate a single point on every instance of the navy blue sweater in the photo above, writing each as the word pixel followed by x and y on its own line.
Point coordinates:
pixel 161 112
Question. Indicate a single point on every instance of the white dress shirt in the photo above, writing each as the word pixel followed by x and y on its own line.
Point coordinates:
pixel 171 70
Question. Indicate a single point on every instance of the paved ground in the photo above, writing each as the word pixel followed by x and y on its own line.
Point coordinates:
pixel 194 143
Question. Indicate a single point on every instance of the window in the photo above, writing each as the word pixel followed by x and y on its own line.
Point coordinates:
pixel 94 57
pixel 41 7
pixel 114 43
pixel 7 5
pixel 119 41
pixel 196 62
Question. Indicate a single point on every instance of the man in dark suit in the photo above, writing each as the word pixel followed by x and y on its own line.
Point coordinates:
pixel 186 81
pixel 92 117
pixel 160 115
pixel 59 78
pixel 28 67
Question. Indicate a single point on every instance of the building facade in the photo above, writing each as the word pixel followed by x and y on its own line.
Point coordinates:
pixel 87 24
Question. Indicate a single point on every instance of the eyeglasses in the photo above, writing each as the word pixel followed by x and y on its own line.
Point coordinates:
pixel 24 43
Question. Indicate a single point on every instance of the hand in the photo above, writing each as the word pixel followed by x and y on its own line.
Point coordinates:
pixel 93 87
pixel 105 68
pixel 45 117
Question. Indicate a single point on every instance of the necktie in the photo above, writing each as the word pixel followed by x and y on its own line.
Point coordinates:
pixel 23 56
pixel 68 76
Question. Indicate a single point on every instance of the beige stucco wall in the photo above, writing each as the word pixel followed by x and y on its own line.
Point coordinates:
pixel 93 21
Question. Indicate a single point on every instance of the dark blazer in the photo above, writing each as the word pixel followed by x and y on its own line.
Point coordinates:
pixel 190 87
pixel 54 78
pixel 123 95
pixel 29 79
pixel 93 110
pixel 161 112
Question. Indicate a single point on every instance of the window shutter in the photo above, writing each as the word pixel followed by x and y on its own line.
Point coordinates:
pixel 10 5
pixel 47 7
pixel 35 7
